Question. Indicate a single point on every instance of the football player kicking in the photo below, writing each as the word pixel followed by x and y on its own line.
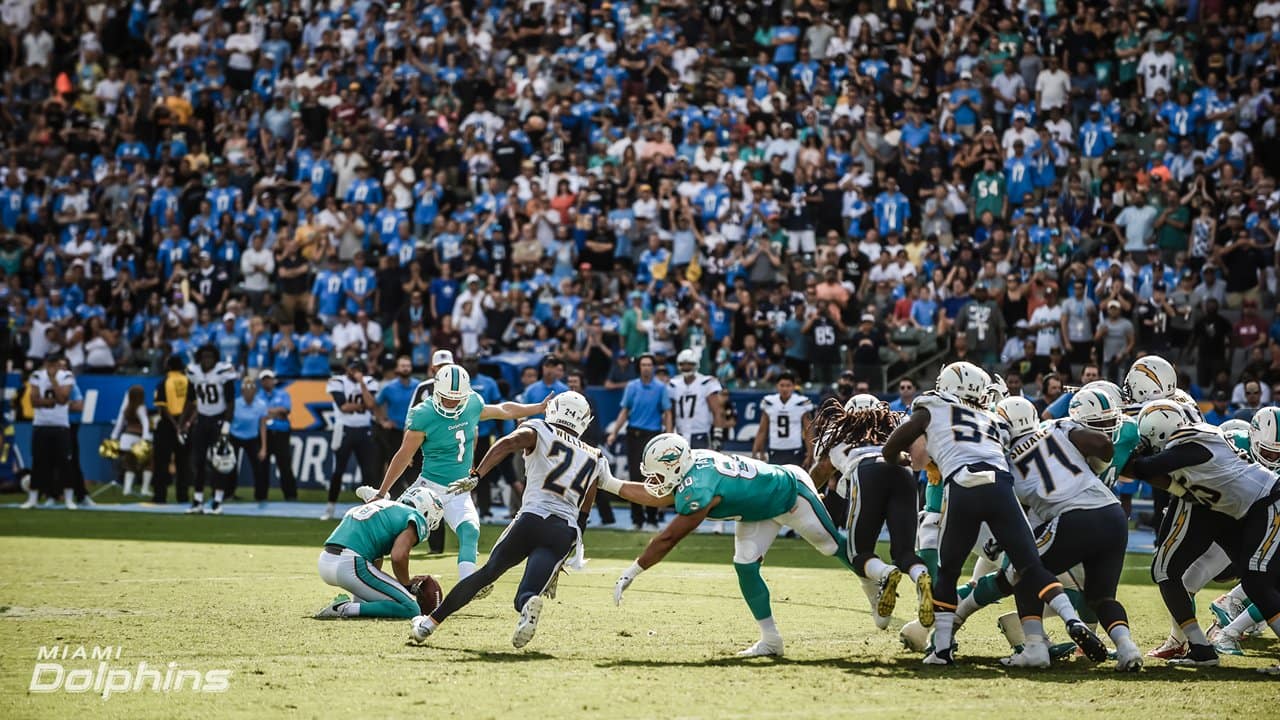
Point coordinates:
pixel 1237 506
pixel 445 429
pixel 1079 522
pixel 967 443
pixel 561 474
pixel 352 556
pixel 761 497
pixel 848 441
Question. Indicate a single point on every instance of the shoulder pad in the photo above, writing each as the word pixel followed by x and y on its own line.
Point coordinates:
pixel 933 398
pixel 769 399
pixel 1195 433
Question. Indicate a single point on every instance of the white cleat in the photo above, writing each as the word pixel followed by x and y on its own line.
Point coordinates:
pixel 88 502
pixel 196 508
pixel 420 629
pixel 1128 658
pixel 771 647
pixel 332 611
pixel 216 508
pixel 872 590
pixel 528 623
pixel 1033 655
pixel 914 636
pixel 327 515
pixel 71 504
pixel 1225 608
pixel 365 493
pixel 1227 643
pixel 31 502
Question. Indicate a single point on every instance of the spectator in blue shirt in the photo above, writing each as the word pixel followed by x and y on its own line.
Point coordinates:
pixel 1221 410
pixel 279 449
pixel 249 435
pixel 646 411
pixel 548 384
pixel 315 347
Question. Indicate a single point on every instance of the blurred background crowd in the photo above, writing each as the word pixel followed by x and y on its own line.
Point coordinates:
pixel 806 187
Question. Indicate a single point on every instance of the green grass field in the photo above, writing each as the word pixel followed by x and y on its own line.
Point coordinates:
pixel 234 593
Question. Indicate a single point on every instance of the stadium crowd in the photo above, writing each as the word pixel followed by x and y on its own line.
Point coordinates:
pixel 807 186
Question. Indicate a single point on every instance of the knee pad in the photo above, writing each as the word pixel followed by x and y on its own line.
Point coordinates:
pixel 468 542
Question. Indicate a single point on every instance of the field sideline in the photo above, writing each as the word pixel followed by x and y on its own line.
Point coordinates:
pixel 231 593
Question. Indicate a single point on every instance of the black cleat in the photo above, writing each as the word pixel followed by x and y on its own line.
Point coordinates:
pixel 1088 642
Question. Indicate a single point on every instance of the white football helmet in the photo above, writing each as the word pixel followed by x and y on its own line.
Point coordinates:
pixel 1264 437
pixel 997 391
pixel 222 456
pixel 425 502
pixel 1095 410
pixel 864 401
pixel 570 411
pixel 1159 420
pixel 1150 378
pixel 1020 414
pixel 664 462
pixel 453 383
pixel 1112 391
pixel 1235 427
pixel 966 381
pixel 686 357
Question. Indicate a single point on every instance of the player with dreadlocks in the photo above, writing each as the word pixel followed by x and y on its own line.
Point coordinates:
pixel 849 441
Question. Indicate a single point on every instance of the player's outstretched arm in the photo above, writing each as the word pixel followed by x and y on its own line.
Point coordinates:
pixel 896 448
pixel 400 461
pixel 514 410
pixel 632 491
pixel 1092 444
pixel 523 438
pixel 659 546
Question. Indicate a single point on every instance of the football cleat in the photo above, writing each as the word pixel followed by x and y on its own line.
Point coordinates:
pixel 1226 608
pixel 196 508
pixel 528 623
pixel 483 592
pixel 333 610
pixel 327 514
pixel 872 590
pixel 1172 648
pixel 914 636
pixel 550 591
pixel 1128 658
pixel 1270 670
pixel 216 508
pixel 1063 650
pixel 1227 643
pixel 887 595
pixel 1087 640
pixel 939 657
pixel 924 598
pixel 70 504
pixel 420 629
pixel 771 647
pixel 31 502
pixel 1197 656
pixel 1033 655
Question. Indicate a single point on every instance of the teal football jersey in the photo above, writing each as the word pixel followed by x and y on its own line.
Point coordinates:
pixel 448 450
pixel 749 490
pixel 1125 442
pixel 371 529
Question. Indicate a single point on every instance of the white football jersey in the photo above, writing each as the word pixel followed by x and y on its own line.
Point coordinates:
pixel 559 471
pixel 958 435
pixel 342 386
pixel 1227 483
pixel 208 387
pixel 1051 476
pixel 786 420
pixel 56 416
pixel 693 412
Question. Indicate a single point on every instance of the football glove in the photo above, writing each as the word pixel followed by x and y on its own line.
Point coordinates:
pixel 624 581
pixel 465 485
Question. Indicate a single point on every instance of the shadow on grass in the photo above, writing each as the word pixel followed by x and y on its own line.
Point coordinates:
pixel 974 668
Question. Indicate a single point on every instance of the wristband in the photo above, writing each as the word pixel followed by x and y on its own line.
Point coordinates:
pixel 633 571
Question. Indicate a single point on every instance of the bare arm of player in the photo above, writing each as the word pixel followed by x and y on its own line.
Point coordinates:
pixel 400 554
pixel 408 446
pixel 672 534
pixel 896 447
pixel 762 432
pixel 919 454
pixel 716 403
pixel 824 473
pixel 1092 444
pixel 522 438
pixel 514 410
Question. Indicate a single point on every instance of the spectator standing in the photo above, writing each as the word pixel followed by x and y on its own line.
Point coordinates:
pixel 249 435
pixel 646 412
pixel 279 427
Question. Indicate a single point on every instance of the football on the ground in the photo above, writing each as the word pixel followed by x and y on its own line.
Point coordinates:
pixel 428 591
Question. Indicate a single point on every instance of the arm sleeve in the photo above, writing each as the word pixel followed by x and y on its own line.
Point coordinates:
pixel 1170 460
